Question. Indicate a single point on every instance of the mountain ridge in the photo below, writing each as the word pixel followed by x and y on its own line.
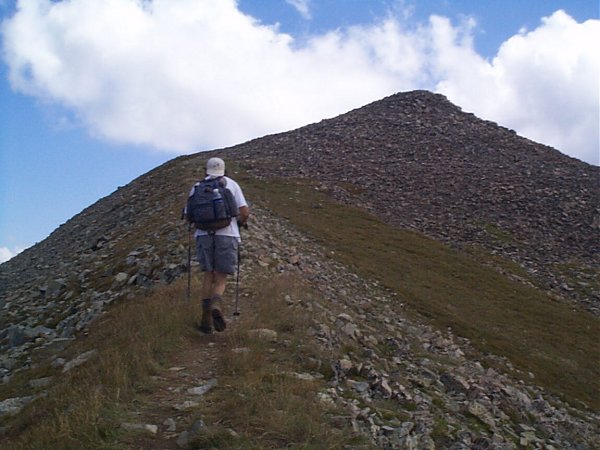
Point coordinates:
pixel 543 216
pixel 454 177
pixel 437 171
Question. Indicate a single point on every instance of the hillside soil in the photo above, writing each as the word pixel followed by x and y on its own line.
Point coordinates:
pixel 193 366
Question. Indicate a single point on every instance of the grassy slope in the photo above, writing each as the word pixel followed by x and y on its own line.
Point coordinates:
pixel 136 339
pixel 83 408
pixel 556 342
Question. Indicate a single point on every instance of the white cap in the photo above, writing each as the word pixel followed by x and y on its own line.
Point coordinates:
pixel 215 167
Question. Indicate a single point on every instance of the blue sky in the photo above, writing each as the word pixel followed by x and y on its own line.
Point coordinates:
pixel 96 93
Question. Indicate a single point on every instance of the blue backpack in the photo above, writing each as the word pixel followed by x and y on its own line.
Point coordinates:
pixel 211 206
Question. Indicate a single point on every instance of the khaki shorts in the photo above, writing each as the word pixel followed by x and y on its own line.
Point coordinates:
pixel 217 253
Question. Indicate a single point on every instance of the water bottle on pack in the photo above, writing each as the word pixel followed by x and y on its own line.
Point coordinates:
pixel 218 205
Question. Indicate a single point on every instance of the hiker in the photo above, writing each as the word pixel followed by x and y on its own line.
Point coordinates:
pixel 217 240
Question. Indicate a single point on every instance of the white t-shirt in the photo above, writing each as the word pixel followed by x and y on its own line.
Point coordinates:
pixel 233 229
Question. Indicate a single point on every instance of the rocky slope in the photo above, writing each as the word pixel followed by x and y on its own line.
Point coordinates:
pixel 447 399
pixel 434 169
pixel 401 383
pixel 129 240
pixel 422 163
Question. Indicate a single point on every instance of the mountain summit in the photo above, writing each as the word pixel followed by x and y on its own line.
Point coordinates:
pixel 424 164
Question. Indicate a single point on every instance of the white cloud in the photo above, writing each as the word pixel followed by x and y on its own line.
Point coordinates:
pixel 6 253
pixel 302 6
pixel 543 83
pixel 184 75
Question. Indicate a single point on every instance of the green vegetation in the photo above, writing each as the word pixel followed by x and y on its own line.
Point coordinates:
pixel 579 277
pixel 502 236
pixel 553 340
pixel 440 433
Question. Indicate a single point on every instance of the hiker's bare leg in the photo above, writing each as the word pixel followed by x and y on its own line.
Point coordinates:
pixel 218 286
pixel 213 284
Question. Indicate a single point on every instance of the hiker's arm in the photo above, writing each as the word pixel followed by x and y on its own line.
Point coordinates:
pixel 184 213
pixel 243 216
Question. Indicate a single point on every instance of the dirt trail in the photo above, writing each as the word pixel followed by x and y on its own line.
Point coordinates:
pixel 194 366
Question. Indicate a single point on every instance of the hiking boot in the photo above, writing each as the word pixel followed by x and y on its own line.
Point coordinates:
pixel 217 316
pixel 206 322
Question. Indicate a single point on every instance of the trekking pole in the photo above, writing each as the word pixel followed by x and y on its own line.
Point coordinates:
pixel 237 281
pixel 189 257
pixel 189 263
pixel 236 313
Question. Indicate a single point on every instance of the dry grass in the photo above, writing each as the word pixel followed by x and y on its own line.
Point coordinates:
pixel 83 407
pixel 258 396
pixel 260 403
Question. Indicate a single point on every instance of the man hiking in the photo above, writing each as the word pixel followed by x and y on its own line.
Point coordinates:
pixel 217 207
